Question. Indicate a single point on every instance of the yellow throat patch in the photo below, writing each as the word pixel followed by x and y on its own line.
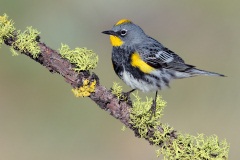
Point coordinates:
pixel 115 41
pixel 136 61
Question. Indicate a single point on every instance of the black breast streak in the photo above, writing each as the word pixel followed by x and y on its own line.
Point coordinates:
pixel 117 60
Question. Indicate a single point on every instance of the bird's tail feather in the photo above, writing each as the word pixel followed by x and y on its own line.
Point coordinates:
pixel 196 72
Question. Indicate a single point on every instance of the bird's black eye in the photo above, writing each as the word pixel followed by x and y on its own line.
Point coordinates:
pixel 123 32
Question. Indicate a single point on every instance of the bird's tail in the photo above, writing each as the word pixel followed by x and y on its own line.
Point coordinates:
pixel 196 72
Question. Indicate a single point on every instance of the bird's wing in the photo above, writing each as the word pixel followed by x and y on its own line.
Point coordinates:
pixel 157 56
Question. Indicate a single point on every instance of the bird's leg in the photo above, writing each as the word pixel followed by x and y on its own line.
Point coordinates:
pixel 153 107
pixel 129 92
pixel 126 96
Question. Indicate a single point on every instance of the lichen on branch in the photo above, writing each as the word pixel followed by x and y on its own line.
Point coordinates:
pixel 86 89
pixel 6 28
pixel 82 58
pixel 190 147
pixel 24 42
pixel 117 90
pixel 27 41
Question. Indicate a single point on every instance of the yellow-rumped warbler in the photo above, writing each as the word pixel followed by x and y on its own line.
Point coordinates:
pixel 145 64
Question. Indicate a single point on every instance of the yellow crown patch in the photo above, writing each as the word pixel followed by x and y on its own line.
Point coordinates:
pixel 122 21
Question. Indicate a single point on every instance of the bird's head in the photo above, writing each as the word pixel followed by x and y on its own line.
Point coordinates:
pixel 125 33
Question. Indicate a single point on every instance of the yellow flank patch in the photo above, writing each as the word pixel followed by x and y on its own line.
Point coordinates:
pixel 136 61
pixel 115 41
pixel 122 21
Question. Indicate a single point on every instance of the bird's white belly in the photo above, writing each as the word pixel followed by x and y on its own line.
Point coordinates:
pixel 134 83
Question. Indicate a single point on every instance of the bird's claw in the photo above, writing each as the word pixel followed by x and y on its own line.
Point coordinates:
pixel 126 97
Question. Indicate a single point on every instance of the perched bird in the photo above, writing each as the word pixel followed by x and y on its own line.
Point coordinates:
pixel 144 63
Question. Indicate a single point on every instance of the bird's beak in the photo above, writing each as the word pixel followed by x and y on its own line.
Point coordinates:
pixel 110 32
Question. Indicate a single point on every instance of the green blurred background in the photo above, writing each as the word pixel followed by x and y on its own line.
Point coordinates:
pixel 41 119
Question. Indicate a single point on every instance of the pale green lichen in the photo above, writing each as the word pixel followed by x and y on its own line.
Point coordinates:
pixel 85 90
pixel 6 28
pixel 26 42
pixel 190 147
pixel 161 137
pixel 82 58
pixel 123 128
pixel 13 51
pixel 117 90
pixel 141 115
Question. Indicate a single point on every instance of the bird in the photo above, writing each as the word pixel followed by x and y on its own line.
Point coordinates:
pixel 145 64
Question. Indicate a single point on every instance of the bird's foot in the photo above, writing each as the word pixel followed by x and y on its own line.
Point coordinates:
pixel 126 96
